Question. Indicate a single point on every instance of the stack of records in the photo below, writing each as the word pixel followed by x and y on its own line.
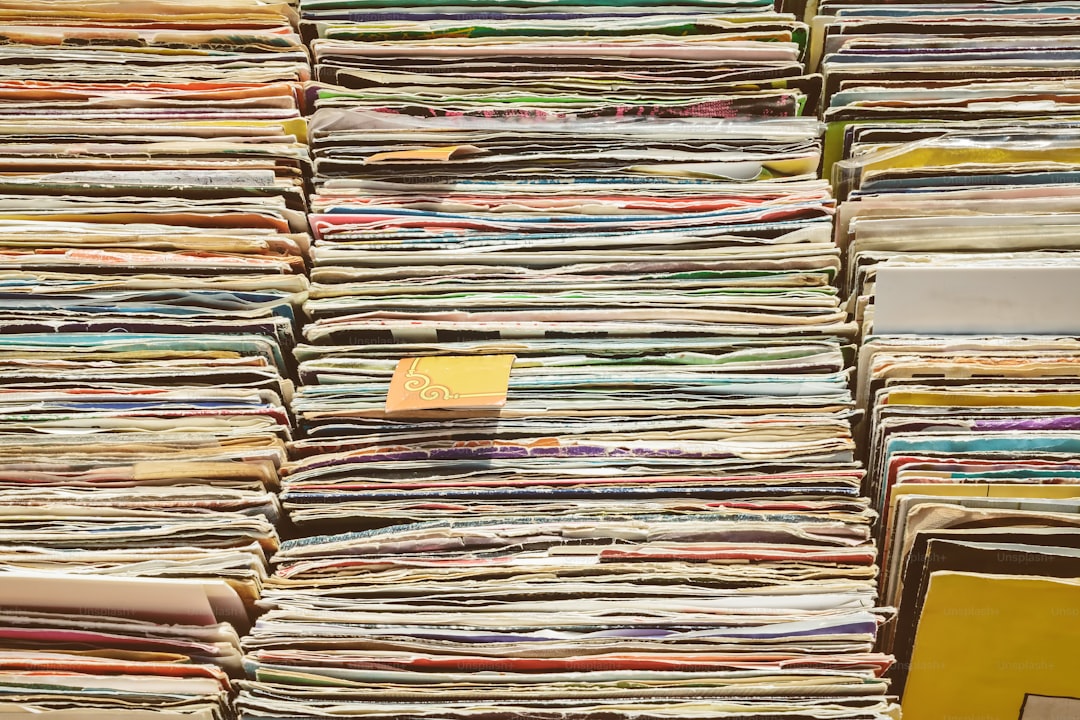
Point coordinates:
pixel 101 647
pixel 972 427
pixel 906 71
pixel 575 409
pixel 152 255
pixel 954 132
pixel 518 58
pixel 996 202
pixel 973 445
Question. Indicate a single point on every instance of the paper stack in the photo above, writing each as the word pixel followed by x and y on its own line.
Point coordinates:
pixel 152 250
pixel 958 221
pixel 575 413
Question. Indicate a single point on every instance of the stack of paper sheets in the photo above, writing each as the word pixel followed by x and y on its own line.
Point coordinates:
pixel 152 255
pixel 958 224
pixel 663 519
